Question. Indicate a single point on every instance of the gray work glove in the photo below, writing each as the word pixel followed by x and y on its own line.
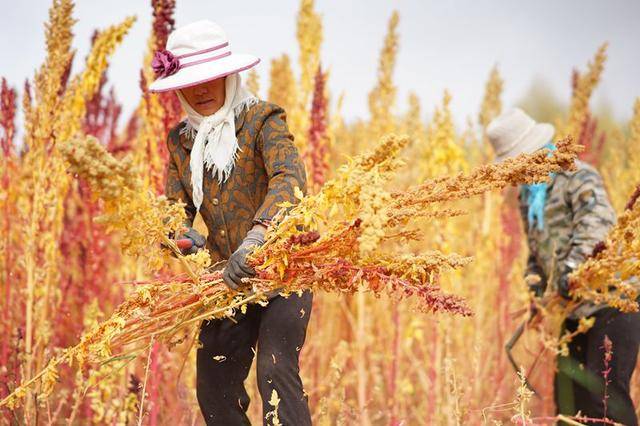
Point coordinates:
pixel 237 267
pixel 564 287
pixel 536 284
pixel 537 289
pixel 198 240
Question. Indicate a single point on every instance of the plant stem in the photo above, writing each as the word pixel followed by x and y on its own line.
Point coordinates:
pixel 172 245
pixel 362 371
pixel 144 385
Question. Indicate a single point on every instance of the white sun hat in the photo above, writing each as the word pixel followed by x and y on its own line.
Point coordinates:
pixel 196 53
pixel 514 133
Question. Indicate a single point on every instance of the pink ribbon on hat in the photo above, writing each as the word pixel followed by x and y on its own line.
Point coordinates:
pixel 165 63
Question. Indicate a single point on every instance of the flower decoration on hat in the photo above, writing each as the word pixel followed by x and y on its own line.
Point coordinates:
pixel 164 63
pixel 196 53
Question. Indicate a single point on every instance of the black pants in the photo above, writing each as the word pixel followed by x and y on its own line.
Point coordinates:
pixel 579 383
pixel 227 351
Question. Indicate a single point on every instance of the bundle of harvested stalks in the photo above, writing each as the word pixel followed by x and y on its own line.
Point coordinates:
pixel 330 241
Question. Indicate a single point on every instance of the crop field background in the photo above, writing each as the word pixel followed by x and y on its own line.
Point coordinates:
pixel 368 359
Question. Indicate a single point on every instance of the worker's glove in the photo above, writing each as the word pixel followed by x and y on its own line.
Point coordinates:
pixel 237 267
pixel 535 284
pixel 537 289
pixel 196 238
pixel 563 282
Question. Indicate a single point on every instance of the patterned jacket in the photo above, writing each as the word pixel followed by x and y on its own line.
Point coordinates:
pixel 577 215
pixel 267 170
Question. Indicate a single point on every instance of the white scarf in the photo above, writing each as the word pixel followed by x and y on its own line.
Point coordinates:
pixel 215 144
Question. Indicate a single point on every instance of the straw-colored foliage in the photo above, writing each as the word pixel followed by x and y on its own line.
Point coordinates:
pixel 409 236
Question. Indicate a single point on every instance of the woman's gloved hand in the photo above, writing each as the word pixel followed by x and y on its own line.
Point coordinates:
pixel 564 286
pixel 198 240
pixel 536 284
pixel 237 267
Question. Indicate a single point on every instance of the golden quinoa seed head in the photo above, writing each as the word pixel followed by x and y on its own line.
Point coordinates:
pixel 604 278
pixel 143 219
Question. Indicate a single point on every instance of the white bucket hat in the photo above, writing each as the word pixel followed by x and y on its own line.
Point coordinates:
pixel 514 133
pixel 196 53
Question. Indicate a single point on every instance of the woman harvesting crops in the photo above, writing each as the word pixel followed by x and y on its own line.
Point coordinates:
pixel 564 221
pixel 234 161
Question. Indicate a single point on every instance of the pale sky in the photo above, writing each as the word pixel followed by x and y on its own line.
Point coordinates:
pixel 443 44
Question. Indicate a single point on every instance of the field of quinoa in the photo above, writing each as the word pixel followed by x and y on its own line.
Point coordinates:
pixel 410 237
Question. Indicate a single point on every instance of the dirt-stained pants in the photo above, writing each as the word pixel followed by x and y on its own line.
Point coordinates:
pixel 227 351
